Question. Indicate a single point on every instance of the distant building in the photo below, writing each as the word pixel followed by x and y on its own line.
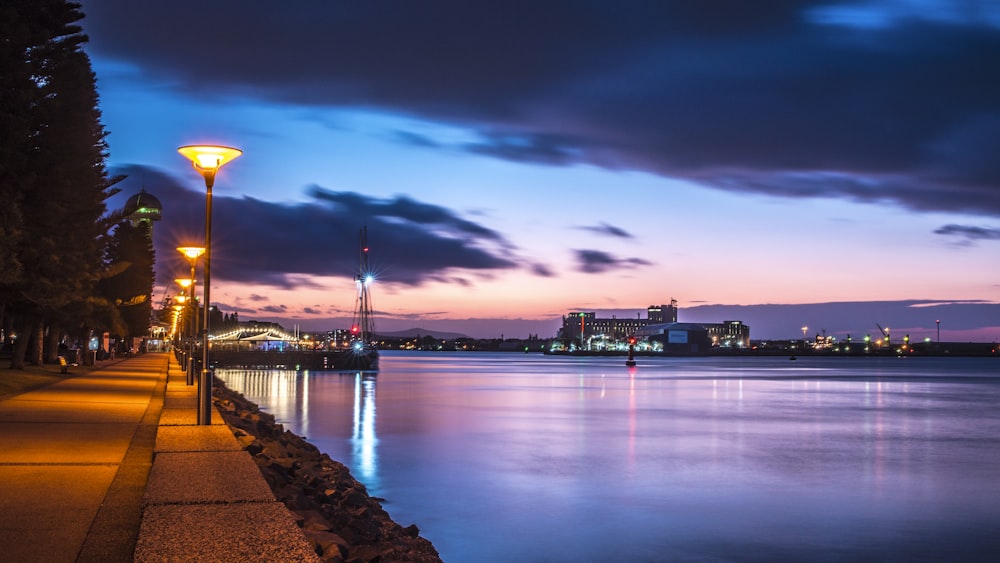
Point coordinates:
pixel 662 313
pixel 678 338
pixel 729 334
pixel 583 327
pixel 143 207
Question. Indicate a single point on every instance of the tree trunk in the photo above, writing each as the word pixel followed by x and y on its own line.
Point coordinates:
pixel 52 345
pixel 24 332
pixel 38 344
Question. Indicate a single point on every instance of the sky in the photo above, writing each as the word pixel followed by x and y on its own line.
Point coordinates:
pixel 786 163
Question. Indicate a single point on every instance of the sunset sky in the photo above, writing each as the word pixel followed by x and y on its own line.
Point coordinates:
pixel 514 161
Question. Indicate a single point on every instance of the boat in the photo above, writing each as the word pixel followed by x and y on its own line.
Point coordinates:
pixel 363 352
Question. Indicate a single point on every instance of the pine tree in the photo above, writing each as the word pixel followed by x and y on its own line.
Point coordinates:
pixel 16 97
pixel 57 171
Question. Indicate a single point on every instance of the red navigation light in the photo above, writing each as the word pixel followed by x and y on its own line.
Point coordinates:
pixel 366 249
pixel 355 329
pixel 631 341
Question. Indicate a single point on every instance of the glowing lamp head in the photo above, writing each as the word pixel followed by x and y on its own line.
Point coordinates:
pixel 191 252
pixel 207 159
pixel 180 299
pixel 184 282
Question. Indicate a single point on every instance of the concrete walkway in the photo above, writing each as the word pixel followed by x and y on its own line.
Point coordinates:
pixel 111 466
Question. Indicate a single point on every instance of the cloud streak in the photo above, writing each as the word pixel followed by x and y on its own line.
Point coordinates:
pixel 968 232
pixel 598 261
pixel 608 230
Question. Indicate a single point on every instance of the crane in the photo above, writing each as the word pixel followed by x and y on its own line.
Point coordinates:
pixel 885 332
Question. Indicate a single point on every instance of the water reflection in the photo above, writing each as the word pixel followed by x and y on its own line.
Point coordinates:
pixel 363 438
pixel 287 393
pixel 679 459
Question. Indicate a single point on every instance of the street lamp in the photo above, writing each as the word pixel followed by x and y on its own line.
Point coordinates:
pixel 177 319
pixel 191 253
pixel 207 160
pixel 187 285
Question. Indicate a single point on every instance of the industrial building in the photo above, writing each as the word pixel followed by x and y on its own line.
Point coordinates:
pixel 588 331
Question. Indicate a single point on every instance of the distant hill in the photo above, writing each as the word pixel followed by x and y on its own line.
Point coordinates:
pixel 422 332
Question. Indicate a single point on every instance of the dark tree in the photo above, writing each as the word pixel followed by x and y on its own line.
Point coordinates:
pixel 53 169
pixel 130 256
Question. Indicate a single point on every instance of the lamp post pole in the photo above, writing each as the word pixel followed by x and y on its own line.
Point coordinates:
pixel 189 379
pixel 207 160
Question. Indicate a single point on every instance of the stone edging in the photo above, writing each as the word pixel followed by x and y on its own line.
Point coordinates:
pixel 335 511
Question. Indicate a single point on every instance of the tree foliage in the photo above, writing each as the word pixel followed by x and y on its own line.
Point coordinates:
pixel 130 257
pixel 53 179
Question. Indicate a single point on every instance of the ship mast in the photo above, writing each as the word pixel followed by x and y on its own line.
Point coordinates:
pixel 363 325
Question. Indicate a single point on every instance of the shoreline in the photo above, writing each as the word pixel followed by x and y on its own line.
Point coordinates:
pixel 334 510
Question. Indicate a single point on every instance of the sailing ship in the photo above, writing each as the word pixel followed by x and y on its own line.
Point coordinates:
pixel 363 354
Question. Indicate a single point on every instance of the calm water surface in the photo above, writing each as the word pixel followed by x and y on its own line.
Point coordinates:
pixel 514 457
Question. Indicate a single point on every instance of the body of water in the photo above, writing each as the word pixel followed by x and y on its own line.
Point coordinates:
pixel 516 457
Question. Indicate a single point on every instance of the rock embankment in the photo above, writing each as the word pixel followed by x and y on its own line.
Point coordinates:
pixel 332 507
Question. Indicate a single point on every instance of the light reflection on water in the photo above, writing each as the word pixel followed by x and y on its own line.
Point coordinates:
pixel 501 457
pixel 363 437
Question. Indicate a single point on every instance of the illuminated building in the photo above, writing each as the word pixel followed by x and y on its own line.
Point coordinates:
pixel 729 334
pixel 582 324
pixel 682 338
pixel 588 331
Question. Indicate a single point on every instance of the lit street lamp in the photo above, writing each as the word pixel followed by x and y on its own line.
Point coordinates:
pixel 207 160
pixel 187 285
pixel 191 253
pixel 177 319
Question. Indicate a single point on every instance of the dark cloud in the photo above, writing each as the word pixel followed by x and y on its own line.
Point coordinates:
pixel 311 311
pixel 598 261
pixel 276 309
pixel 874 102
pixel 542 270
pixel 969 232
pixel 407 210
pixel 609 230
pixel 415 139
pixel 542 149
pixel 285 244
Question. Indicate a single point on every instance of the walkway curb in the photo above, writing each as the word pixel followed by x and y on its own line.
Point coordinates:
pixel 205 499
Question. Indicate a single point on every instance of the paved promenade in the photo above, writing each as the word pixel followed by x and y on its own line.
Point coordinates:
pixel 111 466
